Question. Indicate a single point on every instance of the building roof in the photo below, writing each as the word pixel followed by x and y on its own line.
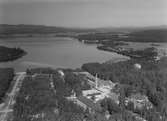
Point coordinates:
pixel 106 83
pixel 138 96
pixel 114 97
pixel 90 103
pixel 94 94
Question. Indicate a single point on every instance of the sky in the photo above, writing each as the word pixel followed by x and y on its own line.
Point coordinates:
pixel 84 13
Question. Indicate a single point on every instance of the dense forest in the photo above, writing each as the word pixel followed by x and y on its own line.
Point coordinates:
pixel 35 97
pixel 148 36
pixel 66 85
pixel 112 45
pixel 10 54
pixel 38 98
pixel 150 53
pixel 149 80
pixel 6 76
pixel 37 101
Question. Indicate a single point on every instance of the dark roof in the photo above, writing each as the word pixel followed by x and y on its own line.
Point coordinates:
pixel 94 94
pixel 138 96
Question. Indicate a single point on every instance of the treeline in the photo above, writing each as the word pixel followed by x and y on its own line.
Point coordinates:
pixel 157 35
pixel 148 54
pixel 97 36
pixel 6 76
pixel 149 80
pixel 10 54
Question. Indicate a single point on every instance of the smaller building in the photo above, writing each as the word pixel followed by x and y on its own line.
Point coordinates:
pixel 140 101
pixel 85 103
pixel 61 73
pixel 75 100
pixel 91 106
pixel 137 66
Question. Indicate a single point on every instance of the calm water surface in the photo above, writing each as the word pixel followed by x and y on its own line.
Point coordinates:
pixel 55 53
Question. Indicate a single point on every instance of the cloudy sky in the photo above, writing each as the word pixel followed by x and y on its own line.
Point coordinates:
pixel 84 13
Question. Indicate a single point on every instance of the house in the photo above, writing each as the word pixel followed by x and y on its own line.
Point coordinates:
pixel 90 105
pixel 137 66
pixel 93 94
pixel 85 103
pixel 75 100
pixel 140 101
pixel 61 73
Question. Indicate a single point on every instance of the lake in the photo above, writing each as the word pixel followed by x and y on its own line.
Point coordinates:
pixel 54 52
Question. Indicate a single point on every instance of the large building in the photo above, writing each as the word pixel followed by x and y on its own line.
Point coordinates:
pixel 100 89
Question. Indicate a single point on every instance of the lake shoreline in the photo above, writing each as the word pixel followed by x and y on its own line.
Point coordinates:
pixel 59 52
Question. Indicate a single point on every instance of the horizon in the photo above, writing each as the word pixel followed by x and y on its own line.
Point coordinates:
pixel 103 27
pixel 84 13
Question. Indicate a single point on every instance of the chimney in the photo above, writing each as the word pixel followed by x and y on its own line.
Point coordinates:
pixel 96 81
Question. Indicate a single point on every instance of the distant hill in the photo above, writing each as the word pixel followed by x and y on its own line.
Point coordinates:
pixel 42 29
pixel 37 29
pixel 130 28
pixel 152 35
pixel 135 34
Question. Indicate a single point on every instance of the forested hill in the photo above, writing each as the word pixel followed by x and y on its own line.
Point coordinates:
pixel 156 35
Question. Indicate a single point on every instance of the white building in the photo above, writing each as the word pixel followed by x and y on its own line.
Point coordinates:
pixel 61 73
pixel 100 89
pixel 137 66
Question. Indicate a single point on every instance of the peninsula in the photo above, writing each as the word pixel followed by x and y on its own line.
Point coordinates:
pixel 10 54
